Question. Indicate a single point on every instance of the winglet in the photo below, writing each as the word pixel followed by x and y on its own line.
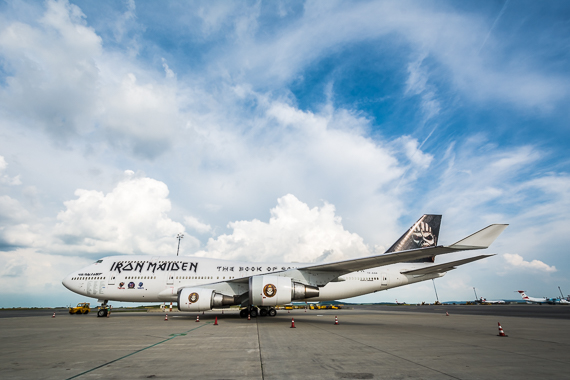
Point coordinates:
pixel 480 239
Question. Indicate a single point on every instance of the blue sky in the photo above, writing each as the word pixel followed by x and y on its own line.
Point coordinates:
pixel 282 130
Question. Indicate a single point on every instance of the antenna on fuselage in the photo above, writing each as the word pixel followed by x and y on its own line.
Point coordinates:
pixel 179 237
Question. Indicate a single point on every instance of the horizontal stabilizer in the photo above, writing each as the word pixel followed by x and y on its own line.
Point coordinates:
pixel 480 239
pixel 440 268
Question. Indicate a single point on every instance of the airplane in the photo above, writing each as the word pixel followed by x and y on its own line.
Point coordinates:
pixel 399 303
pixel 200 284
pixel 532 299
pixel 483 301
pixel 542 300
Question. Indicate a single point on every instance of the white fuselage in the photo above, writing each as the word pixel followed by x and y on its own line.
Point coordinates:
pixel 533 299
pixel 158 279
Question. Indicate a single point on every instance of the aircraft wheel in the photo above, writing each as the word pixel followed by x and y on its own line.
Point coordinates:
pixel 272 312
pixel 102 313
pixel 263 312
pixel 253 313
pixel 243 313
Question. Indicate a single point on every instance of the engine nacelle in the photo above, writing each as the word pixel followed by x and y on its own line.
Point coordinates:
pixel 199 299
pixel 277 290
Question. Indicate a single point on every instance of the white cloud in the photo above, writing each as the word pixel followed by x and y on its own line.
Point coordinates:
pixel 294 232
pixel 195 224
pixel 52 71
pixel 4 178
pixel 518 261
pixel 473 180
pixel 324 28
pixel 413 152
pixel 131 219
pixel 60 77
pixel 27 271
pixel 167 71
pixel 11 209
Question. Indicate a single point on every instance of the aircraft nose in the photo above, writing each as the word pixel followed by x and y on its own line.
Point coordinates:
pixel 67 282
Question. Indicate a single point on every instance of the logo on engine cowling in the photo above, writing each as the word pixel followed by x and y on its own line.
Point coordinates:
pixel 193 297
pixel 269 290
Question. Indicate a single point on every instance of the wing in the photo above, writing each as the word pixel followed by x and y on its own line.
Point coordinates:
pixel 321 274
pixel 481 239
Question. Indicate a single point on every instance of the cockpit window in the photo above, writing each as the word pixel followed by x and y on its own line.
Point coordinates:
pixel 98 261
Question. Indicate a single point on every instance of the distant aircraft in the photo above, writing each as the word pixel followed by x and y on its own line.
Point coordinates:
pixel 482 300
pixel 199 284
pixel 486 301
pixel 399 303
pixel 552 301
pixel 532 299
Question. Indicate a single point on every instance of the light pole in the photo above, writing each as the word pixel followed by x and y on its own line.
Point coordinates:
pixel 179 237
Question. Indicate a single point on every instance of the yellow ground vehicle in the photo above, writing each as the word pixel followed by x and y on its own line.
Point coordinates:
pixel 81 308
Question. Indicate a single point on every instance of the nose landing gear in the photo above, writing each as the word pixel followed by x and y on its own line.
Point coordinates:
pixel 104 310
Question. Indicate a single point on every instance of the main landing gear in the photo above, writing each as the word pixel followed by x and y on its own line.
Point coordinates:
pixel 253 312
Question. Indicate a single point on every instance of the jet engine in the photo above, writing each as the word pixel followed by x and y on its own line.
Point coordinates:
pixel 276 290
pixel 199 299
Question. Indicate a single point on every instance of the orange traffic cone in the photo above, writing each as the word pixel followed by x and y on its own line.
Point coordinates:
pixel 216 322
pixel 249 317
pixel 292 323
pixel 446 314
pixel 53 316
pixel 501 332
pixel 166 317
pixel 197 318
pixel 335 320
pixel 171 307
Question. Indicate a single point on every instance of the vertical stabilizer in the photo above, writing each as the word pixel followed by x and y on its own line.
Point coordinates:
pixel 424 233
pixel 523 295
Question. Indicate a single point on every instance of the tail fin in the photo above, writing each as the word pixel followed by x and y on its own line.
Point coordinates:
pixel 523 295
pixel 424 233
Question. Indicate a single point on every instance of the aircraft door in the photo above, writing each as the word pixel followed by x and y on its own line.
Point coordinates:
pixel 95 288
pixel 384 279
pixel 101 287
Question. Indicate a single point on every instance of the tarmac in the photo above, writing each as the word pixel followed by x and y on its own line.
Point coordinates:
pixel 370 342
